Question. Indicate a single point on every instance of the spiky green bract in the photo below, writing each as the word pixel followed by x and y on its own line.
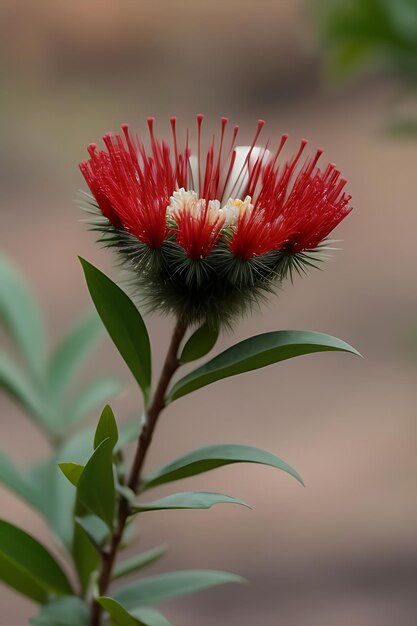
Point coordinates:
pixel 216 289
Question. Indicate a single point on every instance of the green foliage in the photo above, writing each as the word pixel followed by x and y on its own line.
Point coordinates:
pixel 365 35
pixel 95 529
pixel 119 615
pixel 106 428
pixel 28 567
pixel 381 32
pixel 164 587
pixel 14 480
pixel 83 497
pixel 138 562
pixel 187 500
pixel 124 324
pixel 70 354
pixel 72 471
pixel 57 494
pixel 200 343
pixel 257 352
pixel 22 317
pixel 140 617
pixel 206 459
pixel 69 611
pixel 85 554
pixel 95 488
pixel 42 384
pixel 150 617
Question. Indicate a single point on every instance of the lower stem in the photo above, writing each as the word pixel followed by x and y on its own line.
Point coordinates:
pixel 169 368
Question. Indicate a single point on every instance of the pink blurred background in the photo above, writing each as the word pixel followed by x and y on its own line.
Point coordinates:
pixel 343 551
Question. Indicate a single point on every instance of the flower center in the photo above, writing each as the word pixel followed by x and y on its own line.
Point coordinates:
pixel 187 203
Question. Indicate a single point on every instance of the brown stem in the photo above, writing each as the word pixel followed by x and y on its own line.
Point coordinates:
pixel 170 366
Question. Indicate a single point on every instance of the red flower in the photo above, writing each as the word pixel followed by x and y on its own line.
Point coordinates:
pixel 238 194
pixel 131 187
pixel 294 216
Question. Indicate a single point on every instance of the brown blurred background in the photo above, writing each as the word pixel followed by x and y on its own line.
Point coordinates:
pixel 343 551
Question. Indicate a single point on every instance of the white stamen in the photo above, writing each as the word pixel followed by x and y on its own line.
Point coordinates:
pixel 189 201
pixel 234 209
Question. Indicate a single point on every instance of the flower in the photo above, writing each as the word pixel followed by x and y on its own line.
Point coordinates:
pixel 208 233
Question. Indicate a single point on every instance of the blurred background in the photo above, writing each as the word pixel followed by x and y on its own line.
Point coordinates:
pixel 343 551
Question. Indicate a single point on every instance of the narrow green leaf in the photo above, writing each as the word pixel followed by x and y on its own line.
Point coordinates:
pixel 22 316
pixel 15 383
pixel 200 343
pixel 57 495
pixel 71 352
pixel 69 611
pixel 138 562
pixel 93 395
pixel 72 471
pixel 95 529
pixel 139 617
pixel 86 556
pixel 96 485
pixel 172 585
pixel 187 500
pixel 150 617
pixel 257 352
pixel 106 428
pixel 14 480
pixel 119 615
pixel 123 322
pixel 206 459
pixel 28 567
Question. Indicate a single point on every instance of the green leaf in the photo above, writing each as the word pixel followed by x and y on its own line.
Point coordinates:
pixel 119 615
pixel 138 562
pixel 95 529
pixel 187 500
pixel 71 352
pixel 22 317
pixel 14 480
pixel 106 428
pixel 94 394
pixel 72 471
pixel 86 556
pixel 257 352
pixel 150 617
pixel 206 459
pixel 57 495
pixel 28 567
pixel 172 585
pixel 96 485
pixel 70 611
pixel 139 617
pixel 200 343
pixel 124 324
pixel 15 383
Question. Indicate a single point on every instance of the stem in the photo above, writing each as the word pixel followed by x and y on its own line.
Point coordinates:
pixel 169 368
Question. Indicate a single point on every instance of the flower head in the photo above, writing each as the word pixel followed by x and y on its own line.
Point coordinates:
pixel 207 233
